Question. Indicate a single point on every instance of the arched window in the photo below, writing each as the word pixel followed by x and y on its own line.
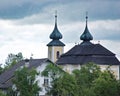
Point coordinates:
pixel 57 54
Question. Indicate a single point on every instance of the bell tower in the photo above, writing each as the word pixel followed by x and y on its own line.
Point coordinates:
pixel 55 47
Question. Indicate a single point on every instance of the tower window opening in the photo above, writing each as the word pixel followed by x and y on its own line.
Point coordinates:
pixel 57 54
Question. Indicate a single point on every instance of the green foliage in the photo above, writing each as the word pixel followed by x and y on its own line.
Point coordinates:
pixel 88 81
pixel 25 82
pixel 52 71
pixel 1 93
pixel 1 69
pixel 85 76
pixel 64 86
pixel 56 74
pixel 11 92
pixel 118 87
pixel 12 59
pixel 106 85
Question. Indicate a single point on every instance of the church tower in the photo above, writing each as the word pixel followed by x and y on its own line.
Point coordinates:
pixel 55 47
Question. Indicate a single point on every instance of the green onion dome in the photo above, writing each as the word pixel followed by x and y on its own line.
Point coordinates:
pixel 86 36
pixel 55 35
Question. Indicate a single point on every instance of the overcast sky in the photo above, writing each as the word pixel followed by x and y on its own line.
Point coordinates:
pixel 25 25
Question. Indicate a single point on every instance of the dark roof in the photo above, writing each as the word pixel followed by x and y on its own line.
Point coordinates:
pixel 55 43
pixel 88 52
pixel 86 36
pixel 5 77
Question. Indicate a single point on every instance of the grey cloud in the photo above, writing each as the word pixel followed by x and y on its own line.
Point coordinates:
pixel 16 12
pixel 16 9
pixel 69 10
pixel 107 35
pixel 101 30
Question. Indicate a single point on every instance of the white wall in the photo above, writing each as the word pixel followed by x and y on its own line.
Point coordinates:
pixel 40 79
pixel 114 68
pixel 69 67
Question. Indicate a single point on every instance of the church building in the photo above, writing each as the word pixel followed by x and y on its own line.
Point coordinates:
pixel 81 54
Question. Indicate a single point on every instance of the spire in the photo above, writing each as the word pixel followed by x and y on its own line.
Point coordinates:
pixel 86 18
pixel 55 35
pixel 86 36
pixel 56 18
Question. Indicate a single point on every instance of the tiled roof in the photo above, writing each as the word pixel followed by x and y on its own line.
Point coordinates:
pixel 5 77
pixel 84 53
pixel 91 49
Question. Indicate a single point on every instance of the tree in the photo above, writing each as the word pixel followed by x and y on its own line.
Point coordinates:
pixel 85 77
pixel 1 69
pixel 64 86
pixel 53 72
pixel 88 81
pixel 118 87
pixel 12 59
pixel 1 93
pixel 106 85
pixel 77 84
pixel 25 82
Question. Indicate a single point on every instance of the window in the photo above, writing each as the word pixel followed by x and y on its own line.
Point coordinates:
pixel 57 54
pixel 46 82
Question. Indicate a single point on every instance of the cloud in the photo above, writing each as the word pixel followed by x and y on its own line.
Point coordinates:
pixel 15 9
pixel 106 29
pixel 69 10
pixel 27 24
pixel 39 50
pixel 32 38
pixel 113 46
pixel 101 30
pixel 35 33
pixel 28 39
